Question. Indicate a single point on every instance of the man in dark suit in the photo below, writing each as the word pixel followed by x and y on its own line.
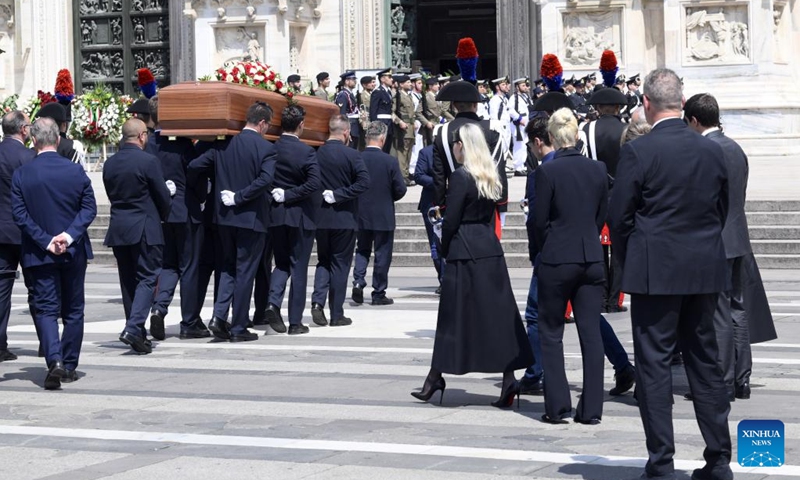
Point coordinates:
pixel 731 319
pixel 423 175
pixel 53 205
pixel 666 220
pixel 348 106
pixel 140 200
pixel 66 147
pixel 182 239
pixel 381 105
pixel 13 155
pixel 376 220
pixel 344 177
pixel 243 170
pixel 293 220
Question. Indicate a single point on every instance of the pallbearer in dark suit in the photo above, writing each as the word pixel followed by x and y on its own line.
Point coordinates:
pixel 376 220
pixel 344 177
pixel 569 210
pixel 140 201
pixel 59 114
pixel 182 238
pixel 293 221
pixel 243 172
pixel 733 315
pixel 666 220
pixel 381 106
pixel 423 176
pixel 479 328
pixel 346 101
pixel 53 205
pixel 13 154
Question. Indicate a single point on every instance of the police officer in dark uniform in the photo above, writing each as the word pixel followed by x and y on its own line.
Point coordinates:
pixel 633 95
pixel 381 105
pixel 59 114
pixel 348 106
pixel 141 109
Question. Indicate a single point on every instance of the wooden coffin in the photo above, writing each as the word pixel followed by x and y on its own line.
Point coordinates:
pixel 207 110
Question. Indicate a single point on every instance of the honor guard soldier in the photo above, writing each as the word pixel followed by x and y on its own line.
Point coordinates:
pixel 323 81
pixel 498 108
pixel 578 100
pixel 521 102
pixel 483 106
pixel 141 109
pixel 432 111
pixel 295 84
pixel 348 106
pixel 404 116
pixel 591 82
pixel 445 106
pixel 634 96
pixel 381 107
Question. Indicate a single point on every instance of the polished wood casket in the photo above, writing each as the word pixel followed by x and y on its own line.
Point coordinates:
pixel 208 110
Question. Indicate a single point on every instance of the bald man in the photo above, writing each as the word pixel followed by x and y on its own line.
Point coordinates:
pixel 140 201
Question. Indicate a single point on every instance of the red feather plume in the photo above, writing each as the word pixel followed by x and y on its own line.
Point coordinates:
pixel 145 76
pixel 64 85
pixel 608 61
pixel 551 66
pixel 466 48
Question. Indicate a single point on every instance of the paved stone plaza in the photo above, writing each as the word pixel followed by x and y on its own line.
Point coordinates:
pixel 335 404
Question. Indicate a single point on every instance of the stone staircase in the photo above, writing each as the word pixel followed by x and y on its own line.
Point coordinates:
pixel 774 233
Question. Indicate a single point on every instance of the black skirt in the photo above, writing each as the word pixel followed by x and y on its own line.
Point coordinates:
pixel 479 327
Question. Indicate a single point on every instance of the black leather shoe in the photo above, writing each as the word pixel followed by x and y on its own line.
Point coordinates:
pixel 382 301
pixel 54 374
pixel 246 336
pixel 194 332
pixel 677 359
pixel 616 309
pixel 625 380
pixel 556 421
pixel 318 314
pixel 718 473
pixel 6 356
pixel 341 322
pixel 743 391
pixel 70 376
pixel 157 325
pixel 220 328
pixel 591 421
pixel 357 295
pixel 137 343
pixel 530 386
pixel 260 319
pixel 297 329
pixel 275 320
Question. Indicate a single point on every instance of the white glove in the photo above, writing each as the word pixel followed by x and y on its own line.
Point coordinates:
pixel 171 187
pixel 437 230
pixel 328 196
pixel 208 187
pixel 279 195
pixel 227 198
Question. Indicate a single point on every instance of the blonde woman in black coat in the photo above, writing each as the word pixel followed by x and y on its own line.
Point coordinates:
pixel 479 327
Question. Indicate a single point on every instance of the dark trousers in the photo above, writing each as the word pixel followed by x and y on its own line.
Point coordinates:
pixel 139 267
pixel 659 321
pixel 732 330
pixel 9 261
pixel 383 243
pixel 433 241
pixel 263 278
pixel 181 262
pixel 209 262
pixel 582 284
pixel 613 349
pixel 387 146
pixel 292 248
pixel 334 258
pixel 240 249
pixel 535 371
pixel 57 291
pixel 613 270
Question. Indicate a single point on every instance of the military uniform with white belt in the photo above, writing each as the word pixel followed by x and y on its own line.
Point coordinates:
pixel 348 106
pixel 520 102
pixel 380 106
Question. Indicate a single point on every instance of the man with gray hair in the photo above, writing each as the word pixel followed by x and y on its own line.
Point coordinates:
pixel 13 154
pixel 667 212
pixel 53 205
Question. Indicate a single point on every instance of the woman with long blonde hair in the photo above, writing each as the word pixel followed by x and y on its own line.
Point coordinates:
pixel 479 328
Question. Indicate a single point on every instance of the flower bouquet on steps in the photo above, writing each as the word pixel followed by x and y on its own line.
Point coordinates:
pixel 32 105
pixel 98 116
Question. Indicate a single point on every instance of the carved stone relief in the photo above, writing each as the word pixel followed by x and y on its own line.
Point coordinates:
pixel 716 35
pixel 587 33
pixel 781 39
pixel 401 49
pixel 238 43
pixel 102 65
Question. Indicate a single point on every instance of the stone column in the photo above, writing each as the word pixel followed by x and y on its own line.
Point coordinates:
pixel 181 40
pixel 518 38
pixel 364 34
pixel 45 46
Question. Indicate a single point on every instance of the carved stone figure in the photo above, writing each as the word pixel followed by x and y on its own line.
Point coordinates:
pixel 406 56
pixel 86 32
pixel 253 48
pixel 584 46
pixel 138 32
pixel 138 60
pixel 398 18
pixel 163 30
pixel 116 5
pixel 116 31
pixel 102 5
pixel 715 36
pixel 138 5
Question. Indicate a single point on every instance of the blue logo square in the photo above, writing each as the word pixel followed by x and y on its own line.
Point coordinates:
pixel 761 443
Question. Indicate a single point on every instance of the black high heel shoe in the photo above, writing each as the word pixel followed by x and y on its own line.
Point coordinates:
pixel 506 399
pixel 429 388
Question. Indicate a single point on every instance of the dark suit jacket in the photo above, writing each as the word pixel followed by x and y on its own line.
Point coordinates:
pixel 380 103
pixel 139 197
pixel 668 207
pixel 423 176
pixel 608 133
pixel 735 235
pixel 346 102
pixel 297 173
pixel 343 171
pixel 175 156
pixel 441 167
pixel 468 227
pixel 51 195
pixel 386 186
pixel 245 165
pixel 570 206
pixel 66 148
pixel 13 154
